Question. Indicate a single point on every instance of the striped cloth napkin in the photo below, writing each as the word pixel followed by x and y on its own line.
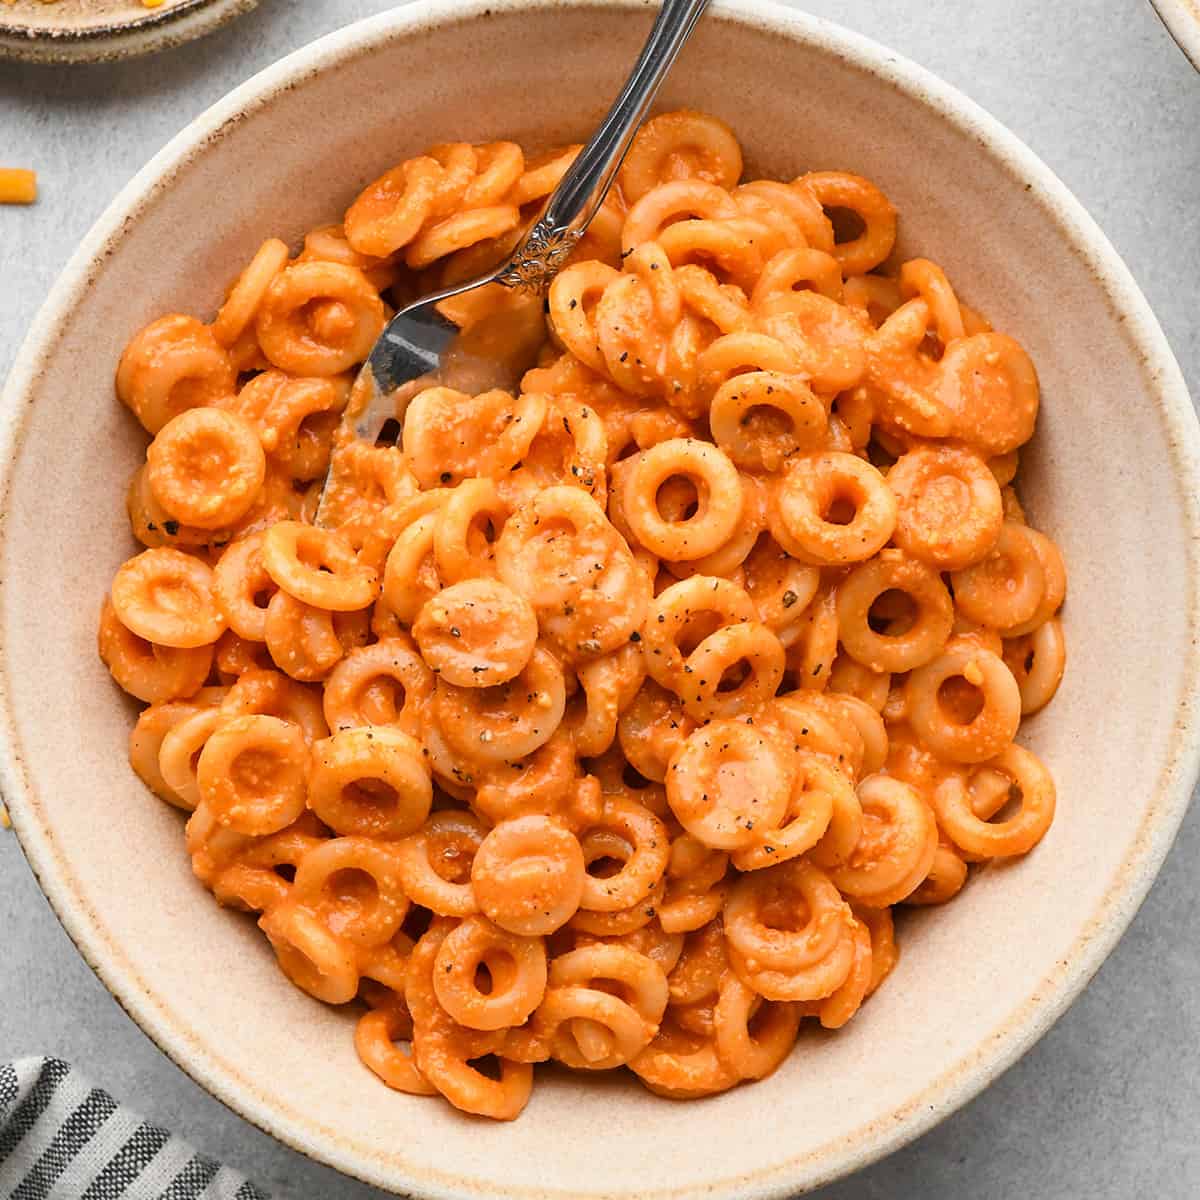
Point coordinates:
pixel 63 1139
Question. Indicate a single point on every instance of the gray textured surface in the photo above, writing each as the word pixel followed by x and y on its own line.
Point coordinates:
pixel 1108 1104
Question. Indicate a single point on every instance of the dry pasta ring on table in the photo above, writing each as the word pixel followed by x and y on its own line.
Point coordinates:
pixel 151 672
pixel 206 467
pixel 171 365
pixel 389 213
pixel 718 492
pixel 352 884
pixel 1015 835
pixel 516 967
pixel 729 784
pixel 246 295
pixel 166 597
pixel 478 633
pixel 319 318
pixel 252 774
pixel 994 690
pixel 386 683
pixel 370 783
pixel 1037 661
pixel 681 145
pixel 506 722
pixel 842 190
pixel 528 875
pixel 761 418
pixel 896 849
pixel 1006 588
pixel 949 508
pixel 317 566
pixel 808 504
pixel 905 643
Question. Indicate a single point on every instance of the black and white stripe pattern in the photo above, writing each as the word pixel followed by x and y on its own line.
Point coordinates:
pixel 62 1139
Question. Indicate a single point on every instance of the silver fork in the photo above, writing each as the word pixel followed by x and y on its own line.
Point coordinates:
pixel 419 344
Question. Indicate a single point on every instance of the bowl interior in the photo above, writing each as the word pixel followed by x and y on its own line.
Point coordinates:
pixel 979 980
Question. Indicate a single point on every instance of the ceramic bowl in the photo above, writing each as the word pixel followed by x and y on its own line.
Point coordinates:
pixel 1182 19
pixel 1110 475
pixel 71 31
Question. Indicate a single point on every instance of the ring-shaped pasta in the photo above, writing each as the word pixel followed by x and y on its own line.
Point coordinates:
pixel 244 297
pixel 375 1038
pixel 839 1006
pixel 316 960
pixel 989 730
pixel 572 299
pixel 627 835
pixel 652 730
pixel 273 694
pixel 945 879
pixel 761 418
pixel 171 365
pixel 370 783
pixel 306 643
pixel 920 277
pixel 389 212
pixel 476 634
pixel 840 189
pixel 797 265
pixel 460 230
pixel 753 1036
pixel 818 789
pixel 669 202
pixel 410 576
pixel 1055 572
pixel 178 753
pixel 895 851
pixel 318 566
pixel 436 863
pixel 895 649
pixel 1006 588
pixel 469 524
pixel 206 467
pixel 243 588
pixel 949 508
pixel 149 732
pixel 1017 834
pixel 352 885
pixel 733 671
pixel 528 875
pixel 150 672
pixel 386 683
pixel 729 784
pixel 681 616
pixel 681 145
pixel 319 319
pixel 166 597
pixel 503 723
pixel 1037 661
pixel 809 504
pixel 252 774
pixel 719 493
pixel 516 966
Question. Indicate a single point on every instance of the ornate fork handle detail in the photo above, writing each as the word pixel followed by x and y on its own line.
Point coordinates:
pixel 540 256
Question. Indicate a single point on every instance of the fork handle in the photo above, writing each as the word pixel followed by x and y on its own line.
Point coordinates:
pixel 582 190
